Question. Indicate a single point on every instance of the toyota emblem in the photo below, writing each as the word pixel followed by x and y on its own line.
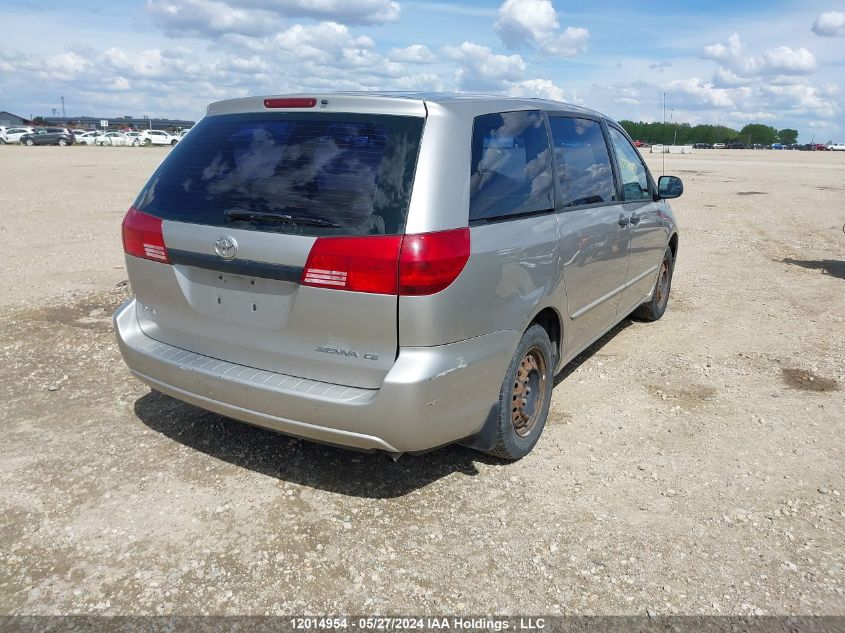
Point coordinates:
pixel 226 247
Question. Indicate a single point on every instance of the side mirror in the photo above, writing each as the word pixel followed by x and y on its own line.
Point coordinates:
pixel 669 187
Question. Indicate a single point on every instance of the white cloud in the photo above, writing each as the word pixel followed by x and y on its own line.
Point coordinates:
pixel 789 61
pixel 694 93
pixel 540 88
pixel 481 69
pixel 534 24
pixel 210 18
pixel 413 54
pixel 724 78
pixel 65 66
pixel 186 18
pixel 780 60
pixel 345 11
pixel 802 99
pixel 830 24
pixel 322 42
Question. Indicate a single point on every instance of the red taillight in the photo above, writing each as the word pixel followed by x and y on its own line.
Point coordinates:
pixel 296 102
pixel 142 236
pixel 430 262
pixel 361 263
pixel 421 264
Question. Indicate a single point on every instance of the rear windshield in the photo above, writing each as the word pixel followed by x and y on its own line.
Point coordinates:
pixel 309 173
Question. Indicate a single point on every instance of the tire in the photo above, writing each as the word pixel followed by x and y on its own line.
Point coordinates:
pixel 29 142
pixel 655 307
pixel 173 143
pixel 62 142
pixel 529 377
pixel 135 143
pixel 147 142
pixel 2 141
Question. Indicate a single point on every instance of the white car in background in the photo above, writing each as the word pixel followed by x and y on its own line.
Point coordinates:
pixel 157 137
pixel 119 139
pixel 89 138
pixel 836 147
pixel 13 134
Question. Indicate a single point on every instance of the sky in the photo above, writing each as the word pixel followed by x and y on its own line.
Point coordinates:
pixel 728 62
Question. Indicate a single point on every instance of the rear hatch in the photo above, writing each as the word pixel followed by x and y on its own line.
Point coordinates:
pixel 218 242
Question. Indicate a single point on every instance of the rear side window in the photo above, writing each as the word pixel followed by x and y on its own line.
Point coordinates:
pixel 511 171
pixel 632 172
pixel 583 162
pixel 308 173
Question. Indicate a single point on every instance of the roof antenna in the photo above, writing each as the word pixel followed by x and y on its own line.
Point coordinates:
pixel 663 147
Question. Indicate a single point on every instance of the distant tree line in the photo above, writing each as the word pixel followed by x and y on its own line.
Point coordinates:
pixel 686 134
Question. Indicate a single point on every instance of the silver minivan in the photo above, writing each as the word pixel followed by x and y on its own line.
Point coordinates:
pixel 390 272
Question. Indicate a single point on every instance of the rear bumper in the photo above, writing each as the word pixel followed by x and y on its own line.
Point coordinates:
pixel 431 396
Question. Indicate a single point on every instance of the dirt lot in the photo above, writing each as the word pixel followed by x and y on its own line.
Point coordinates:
pixel 693 465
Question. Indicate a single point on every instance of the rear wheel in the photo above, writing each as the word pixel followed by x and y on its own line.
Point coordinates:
pixel 29 142
pixel 147 142
pixel 62 142
pixel 655 307
pixel 173 143
pixel 525 396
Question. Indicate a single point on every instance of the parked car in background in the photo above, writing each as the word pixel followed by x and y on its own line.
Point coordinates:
pixel 90 138
pixel 157 137
pixel 13 134
pixel 777 146
pixel 718 146
pixel 48 136
pixel 735 145
pixel 134 134
pixel 820 147
pixel 836 147
pixel 119 139
pixel 437 222
pixel 183 132
pixel 702 146
pixel 78 132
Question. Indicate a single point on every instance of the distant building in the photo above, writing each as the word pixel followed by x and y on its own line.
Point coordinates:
pixel 117 123
pixel 9 119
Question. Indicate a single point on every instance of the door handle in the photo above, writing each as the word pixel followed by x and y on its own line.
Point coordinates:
pixel 635 218
pixel 623 220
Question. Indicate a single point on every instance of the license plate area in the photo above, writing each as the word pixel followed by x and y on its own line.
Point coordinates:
pixel 240 299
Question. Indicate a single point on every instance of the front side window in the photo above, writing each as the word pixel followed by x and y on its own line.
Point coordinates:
pixel 583 162
pixel 511 171
pixel 632 172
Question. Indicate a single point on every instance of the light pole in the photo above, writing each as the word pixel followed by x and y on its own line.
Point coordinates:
pixel 671 116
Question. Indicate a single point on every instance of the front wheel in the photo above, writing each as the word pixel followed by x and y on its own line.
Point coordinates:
pixel 655 307
pixel 525 396
pixel 173 143
pixel 147 142
pixel 29 142
pixel 62 142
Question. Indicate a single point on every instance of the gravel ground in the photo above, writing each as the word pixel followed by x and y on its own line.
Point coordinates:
pixel 693 465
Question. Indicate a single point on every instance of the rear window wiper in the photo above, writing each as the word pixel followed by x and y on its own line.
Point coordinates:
pixel 284 218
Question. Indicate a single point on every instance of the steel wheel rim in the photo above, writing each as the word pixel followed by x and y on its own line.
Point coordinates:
pixel 528 392
pixel 662 289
